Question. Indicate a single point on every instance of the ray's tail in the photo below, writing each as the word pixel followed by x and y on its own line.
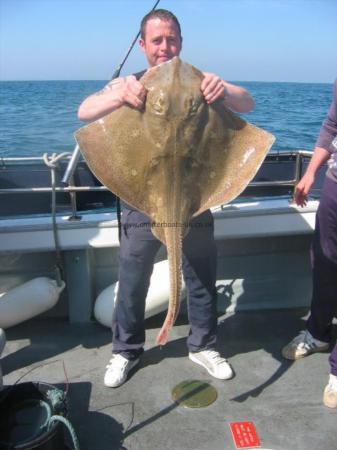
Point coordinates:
pixel 174 252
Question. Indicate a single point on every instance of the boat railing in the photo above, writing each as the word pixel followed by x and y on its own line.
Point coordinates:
pixel 56 163
pixel 299 156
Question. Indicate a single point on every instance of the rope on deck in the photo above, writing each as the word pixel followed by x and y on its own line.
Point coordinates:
pixel 52 161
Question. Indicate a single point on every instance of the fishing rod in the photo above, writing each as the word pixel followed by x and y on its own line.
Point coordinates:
pixel 69 172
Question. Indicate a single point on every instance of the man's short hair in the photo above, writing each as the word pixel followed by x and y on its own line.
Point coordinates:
pixel 162 14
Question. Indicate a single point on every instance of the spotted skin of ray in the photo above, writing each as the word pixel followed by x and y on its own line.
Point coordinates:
pixel 181 158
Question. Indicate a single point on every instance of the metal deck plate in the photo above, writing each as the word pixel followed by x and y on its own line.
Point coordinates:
pixel 194 394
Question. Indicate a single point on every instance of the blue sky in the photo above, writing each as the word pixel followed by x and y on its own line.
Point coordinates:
pixel 242 40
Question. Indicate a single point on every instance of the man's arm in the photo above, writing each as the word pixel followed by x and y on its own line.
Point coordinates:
pixel 130 91
pixel 319 157
pixel 115 94
pixel 322 152
pixel 235 98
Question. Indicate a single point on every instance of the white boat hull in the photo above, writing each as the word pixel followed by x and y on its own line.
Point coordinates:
pixel 263 247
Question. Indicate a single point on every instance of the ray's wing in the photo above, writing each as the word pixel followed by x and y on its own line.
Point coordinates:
pixel 118 150
pixel 234 151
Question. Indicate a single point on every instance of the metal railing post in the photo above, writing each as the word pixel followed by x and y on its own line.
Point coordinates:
pixel 68 174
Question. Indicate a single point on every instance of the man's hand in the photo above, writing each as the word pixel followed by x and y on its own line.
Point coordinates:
pixel 319 157
pixel 132 92
pixel 212 87
pixel 302 189
pixel 118 92
pixel 236 98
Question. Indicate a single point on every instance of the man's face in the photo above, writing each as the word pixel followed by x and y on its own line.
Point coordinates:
pixel 162 41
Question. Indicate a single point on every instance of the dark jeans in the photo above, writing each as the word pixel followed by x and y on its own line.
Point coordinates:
pixel 136 257
pixel 324 268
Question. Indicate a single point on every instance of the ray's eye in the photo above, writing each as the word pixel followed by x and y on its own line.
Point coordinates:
pixel 193 105
pixel 158 104
pixel 158 107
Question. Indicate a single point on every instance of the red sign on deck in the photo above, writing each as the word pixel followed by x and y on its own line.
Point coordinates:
pixel 244 435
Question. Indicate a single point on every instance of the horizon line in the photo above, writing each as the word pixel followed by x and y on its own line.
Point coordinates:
pixel 107 80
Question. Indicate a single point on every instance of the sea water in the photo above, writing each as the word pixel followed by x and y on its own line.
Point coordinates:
pixel 38 117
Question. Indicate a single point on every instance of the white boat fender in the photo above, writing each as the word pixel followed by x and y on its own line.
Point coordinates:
pixel 28 300
pixel 156 300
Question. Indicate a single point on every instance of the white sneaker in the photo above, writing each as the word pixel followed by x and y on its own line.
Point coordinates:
pixel 217 366
pixel 330 392
pixel 303 345
pixel 118 369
